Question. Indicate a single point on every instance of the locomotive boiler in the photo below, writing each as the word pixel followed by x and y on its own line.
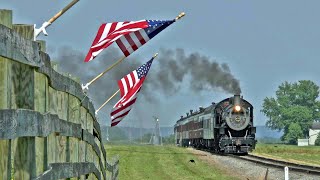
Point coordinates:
pixel 225 127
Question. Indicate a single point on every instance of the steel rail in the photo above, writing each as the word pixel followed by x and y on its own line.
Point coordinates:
pixel 279 163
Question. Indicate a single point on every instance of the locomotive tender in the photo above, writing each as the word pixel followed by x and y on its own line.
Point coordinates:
pixel 225 127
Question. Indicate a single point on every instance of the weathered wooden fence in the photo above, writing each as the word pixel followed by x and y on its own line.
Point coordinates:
pixel 48 128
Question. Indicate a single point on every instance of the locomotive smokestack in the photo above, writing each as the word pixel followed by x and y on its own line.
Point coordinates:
pixel 191 111
pixel 237 102
pixel 187 114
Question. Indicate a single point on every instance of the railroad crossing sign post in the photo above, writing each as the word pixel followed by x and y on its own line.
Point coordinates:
pixel 286 173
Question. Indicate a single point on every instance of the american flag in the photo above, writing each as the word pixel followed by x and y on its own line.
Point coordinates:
pixel 129 86
pixel 131 42
pixel 110 32
pixel 128 35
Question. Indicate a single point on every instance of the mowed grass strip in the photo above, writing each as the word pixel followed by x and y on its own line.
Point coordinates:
pixel 161 162
pixel 309 155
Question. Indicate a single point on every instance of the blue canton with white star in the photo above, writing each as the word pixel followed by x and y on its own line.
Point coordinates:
pixel 142 71
pixel 156 26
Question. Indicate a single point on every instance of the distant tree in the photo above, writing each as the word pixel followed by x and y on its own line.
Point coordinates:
pixel 317 142
pixel 294 132
pixel 168 139
pixel 294 103
pixel 116 134
pixel 145 138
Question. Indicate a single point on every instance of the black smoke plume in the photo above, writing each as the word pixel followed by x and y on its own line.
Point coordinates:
pixel 205 74
pixel 170 69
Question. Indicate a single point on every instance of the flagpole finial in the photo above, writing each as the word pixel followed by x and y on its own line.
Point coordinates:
pixel 180 15
pixel 155 55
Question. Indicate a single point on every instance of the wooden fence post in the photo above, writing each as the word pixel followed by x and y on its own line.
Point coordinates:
pixel 22 96
pixel 6 17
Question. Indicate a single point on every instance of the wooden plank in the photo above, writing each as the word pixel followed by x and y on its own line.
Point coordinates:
pixel 100 144
pixel 4 144
pixel 61 141
pixel 21 95
pixel 51 148
pixel 6 17
pixel 24 158
pixel 61 144
pixel 27 87
pixel 25 30
pixel 89 153
pixel 52 141
pixel 40 154
pixel 40 105
pixel 74 116
pixel 21 86
pixel 53 101
pixel 40 92
pixel 90 123
pixel 5 160
pixel 42 45
pixel 3 82
pixel 82 144
pixel 96 157
pixel 62 105
pixel 58 103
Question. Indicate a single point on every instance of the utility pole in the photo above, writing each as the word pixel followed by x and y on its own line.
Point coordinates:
pixel 140 131
pixel 108 133
pixel 156 133
pixel 130 131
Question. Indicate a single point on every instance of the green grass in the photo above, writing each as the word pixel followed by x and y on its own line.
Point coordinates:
pixel 292 153
pixel 161 162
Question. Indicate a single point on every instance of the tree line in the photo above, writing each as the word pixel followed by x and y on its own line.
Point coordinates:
pixel 293 110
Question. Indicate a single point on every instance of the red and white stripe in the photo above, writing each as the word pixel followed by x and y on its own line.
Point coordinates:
pixel 119 112
pixel 129 85
pixel 110 32
pixel 132 41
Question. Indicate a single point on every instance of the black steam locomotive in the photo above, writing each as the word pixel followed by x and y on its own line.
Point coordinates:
pixel 225 127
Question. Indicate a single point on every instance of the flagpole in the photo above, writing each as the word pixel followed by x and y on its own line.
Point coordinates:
pixel 180 16
pixel 106 101
pixel 55 17
pixel 101 74
pixel 154 56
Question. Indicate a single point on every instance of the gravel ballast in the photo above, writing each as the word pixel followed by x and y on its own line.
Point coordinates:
pixel 249 170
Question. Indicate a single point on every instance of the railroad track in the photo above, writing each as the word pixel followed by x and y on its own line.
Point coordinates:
pixel 280 164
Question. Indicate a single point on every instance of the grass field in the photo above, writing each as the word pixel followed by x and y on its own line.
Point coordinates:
pixel 304 154
pixel 161 162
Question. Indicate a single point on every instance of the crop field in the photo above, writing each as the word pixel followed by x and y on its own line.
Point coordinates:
pixel 309 155
pixel 162 162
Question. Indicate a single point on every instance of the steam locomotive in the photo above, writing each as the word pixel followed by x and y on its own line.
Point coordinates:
pixel 225 127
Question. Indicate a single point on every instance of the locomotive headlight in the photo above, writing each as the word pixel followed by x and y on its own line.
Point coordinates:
pixel 237 108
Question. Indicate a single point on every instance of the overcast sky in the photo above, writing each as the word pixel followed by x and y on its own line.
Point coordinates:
pixel 262 43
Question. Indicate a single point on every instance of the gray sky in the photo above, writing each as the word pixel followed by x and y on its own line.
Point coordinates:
pixel 263 43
